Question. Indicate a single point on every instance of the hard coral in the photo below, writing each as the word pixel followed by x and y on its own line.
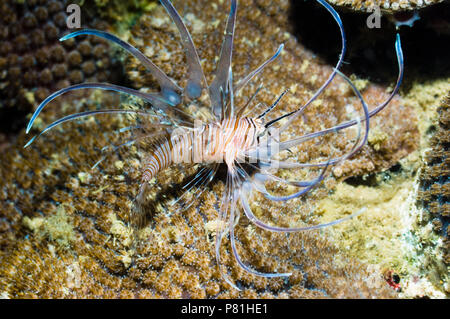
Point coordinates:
pixel 116 10
pixel 434 190
pixel 386 5
pixel 33 63
pixel 175 254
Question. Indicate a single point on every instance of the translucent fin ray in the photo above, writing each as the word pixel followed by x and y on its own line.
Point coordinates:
pixel 196 77
pixel 297 194
pixel 239 260
pixel 152 98
pixel 169 88
pixel 357 146
pixel 72 117
pixel 248 212
pixel 240 113
pixel 264 176
pixel 252 74
pixel 293 115
pixel 221 79
pixel 200 184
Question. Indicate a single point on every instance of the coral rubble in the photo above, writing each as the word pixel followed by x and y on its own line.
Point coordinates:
pixel 387 5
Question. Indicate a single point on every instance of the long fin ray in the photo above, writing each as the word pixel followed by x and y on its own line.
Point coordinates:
pixel 153 98
pixel 196 77
pixel 223 66
pixel 293 115
pixel 72 117
pixel 169 88
pixel 248 212
pixel 243 82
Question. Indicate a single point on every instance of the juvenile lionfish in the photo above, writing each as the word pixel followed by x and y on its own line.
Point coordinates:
pixel 230 136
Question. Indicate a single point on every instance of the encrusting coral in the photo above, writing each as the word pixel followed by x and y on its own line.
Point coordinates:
pixel 174 255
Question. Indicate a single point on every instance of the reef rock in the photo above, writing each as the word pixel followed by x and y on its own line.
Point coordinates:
pixel 385 5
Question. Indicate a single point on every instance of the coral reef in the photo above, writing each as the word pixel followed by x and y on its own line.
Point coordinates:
pixel 386 5
pixel 434 195
pixel 64 228
pixel 396 232
pixel 33 63
pixel 63 199
pixel 158 44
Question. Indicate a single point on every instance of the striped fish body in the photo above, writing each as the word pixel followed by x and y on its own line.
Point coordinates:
pixel 216 142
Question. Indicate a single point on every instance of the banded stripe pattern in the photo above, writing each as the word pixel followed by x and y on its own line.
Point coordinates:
pixel 215 142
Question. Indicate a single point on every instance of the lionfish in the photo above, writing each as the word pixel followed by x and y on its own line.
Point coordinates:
pixel 230 136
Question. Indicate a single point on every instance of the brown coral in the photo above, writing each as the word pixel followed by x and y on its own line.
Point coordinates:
pixel 175 255
pixel 387 5
pixel 434 192
pixel 33 63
